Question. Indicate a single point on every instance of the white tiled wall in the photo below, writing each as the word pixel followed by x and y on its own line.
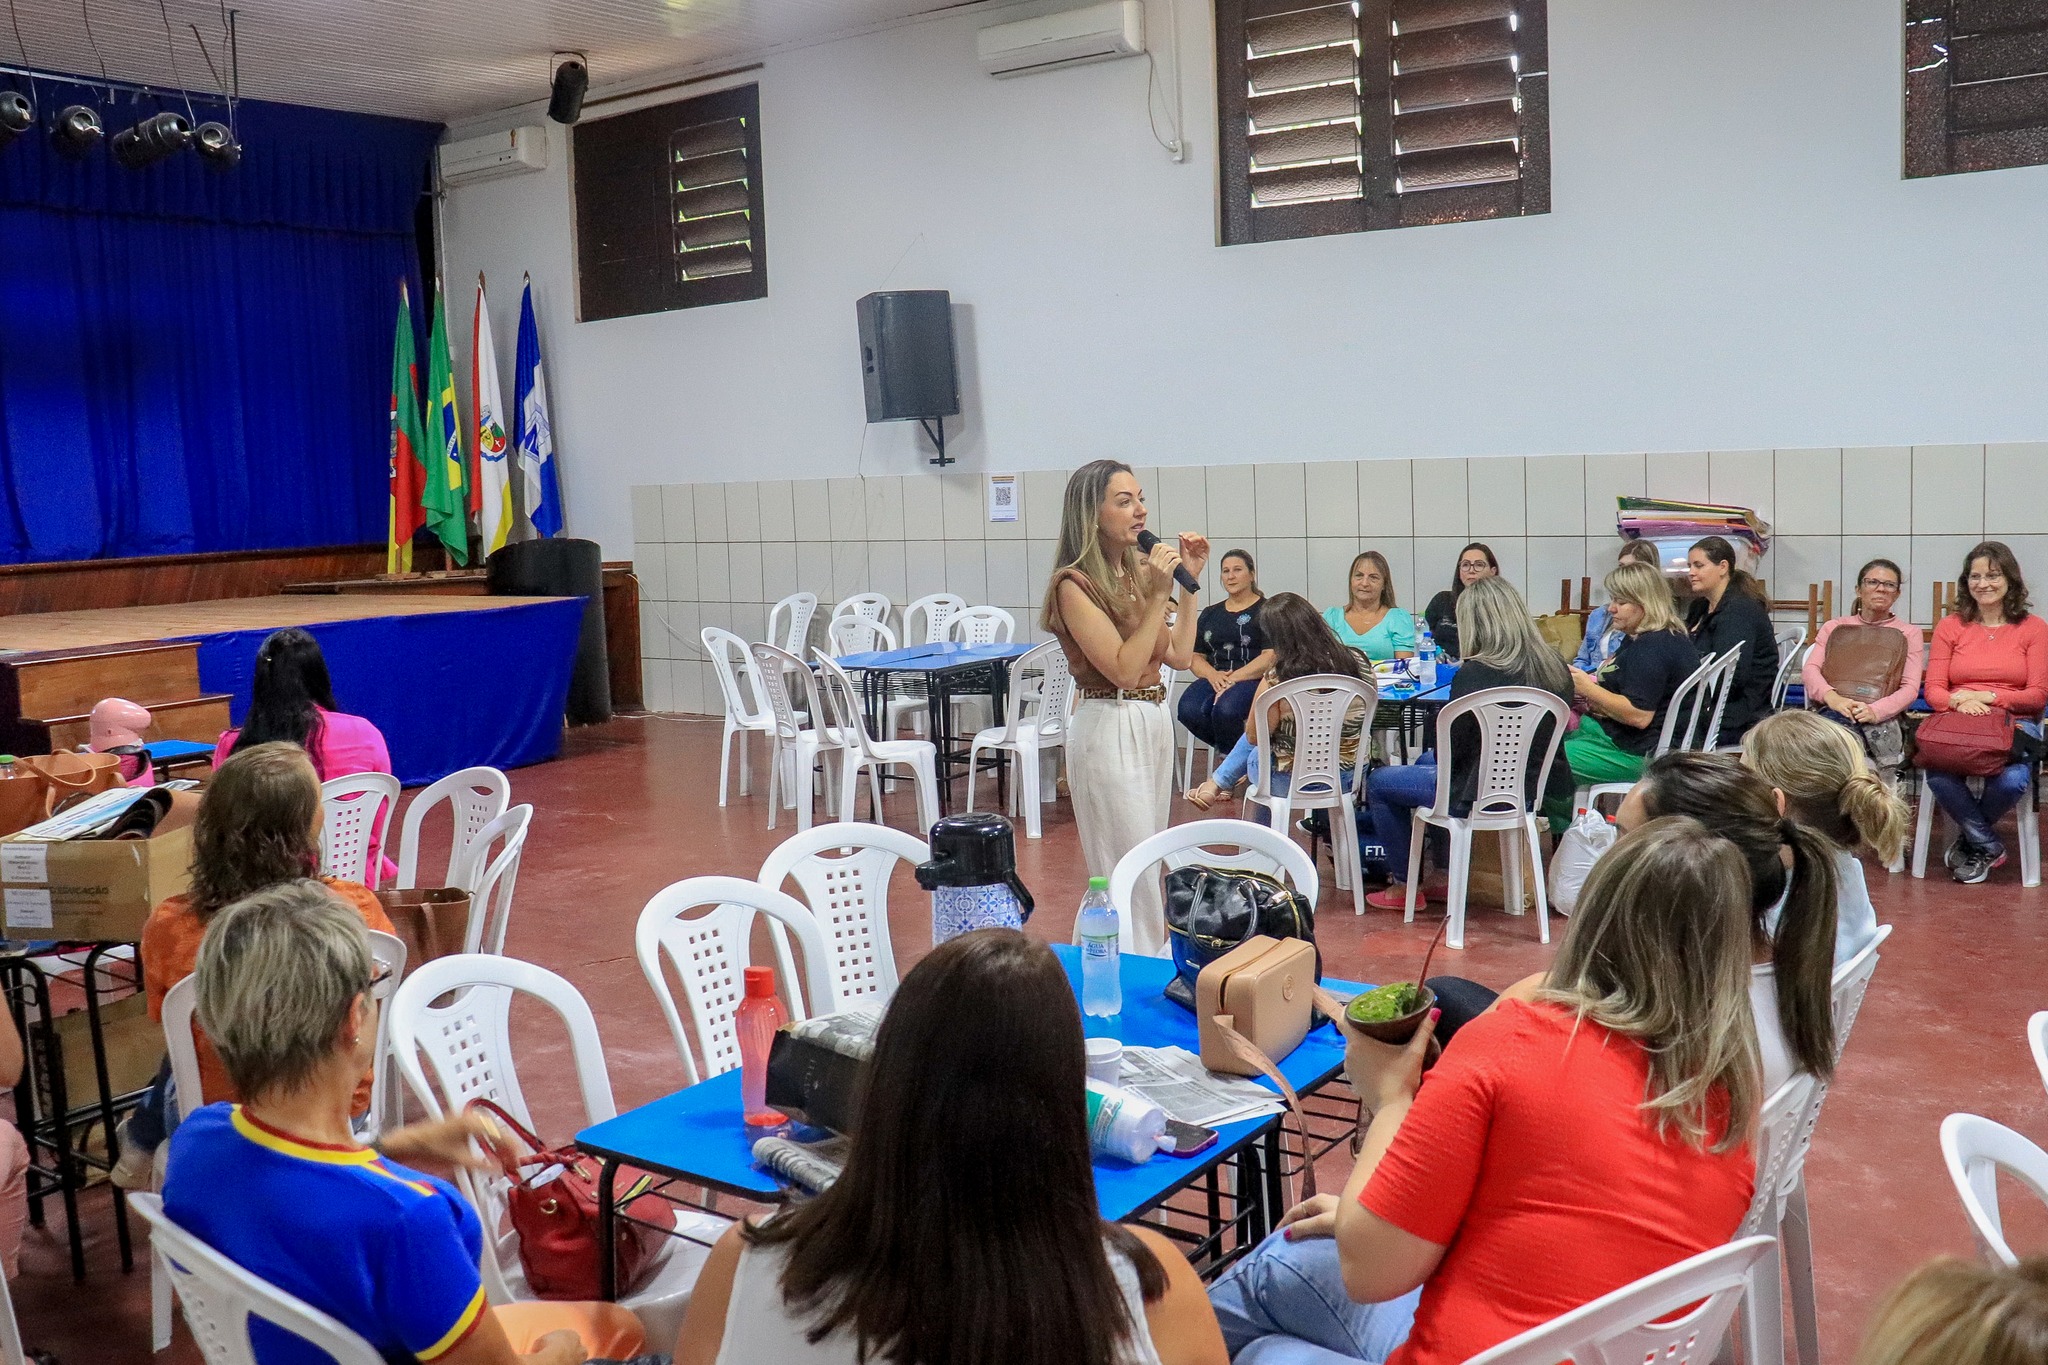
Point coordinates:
pixel 720 554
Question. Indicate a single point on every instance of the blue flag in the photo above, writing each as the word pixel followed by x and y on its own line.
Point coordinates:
pixel 535 442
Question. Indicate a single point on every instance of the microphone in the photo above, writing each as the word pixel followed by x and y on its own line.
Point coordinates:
pixel 1146 540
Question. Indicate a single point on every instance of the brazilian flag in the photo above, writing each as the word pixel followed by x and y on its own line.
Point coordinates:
pixel 445 497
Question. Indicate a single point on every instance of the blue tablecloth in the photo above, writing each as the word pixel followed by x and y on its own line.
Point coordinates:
pixel 449 690
pixel 696 1133
pixel 917 657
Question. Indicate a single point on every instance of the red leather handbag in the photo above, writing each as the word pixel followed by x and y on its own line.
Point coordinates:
pixel 553 1202
pixel 1968 746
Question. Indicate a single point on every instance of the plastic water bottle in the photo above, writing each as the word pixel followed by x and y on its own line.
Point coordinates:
pixel 1102 987
pixel 759 1015
pixel 1425 661
pixel 1123 1125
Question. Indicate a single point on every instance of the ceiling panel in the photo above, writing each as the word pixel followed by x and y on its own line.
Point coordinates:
pixel 433 59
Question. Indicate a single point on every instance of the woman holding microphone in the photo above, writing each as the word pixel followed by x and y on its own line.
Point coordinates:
pixel 1107 604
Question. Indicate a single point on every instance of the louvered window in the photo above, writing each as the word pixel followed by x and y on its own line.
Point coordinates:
pixel 668 206
pixel 1379 114
pixel 1976 85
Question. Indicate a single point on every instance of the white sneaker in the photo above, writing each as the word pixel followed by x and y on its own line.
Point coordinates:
pixel 136 1170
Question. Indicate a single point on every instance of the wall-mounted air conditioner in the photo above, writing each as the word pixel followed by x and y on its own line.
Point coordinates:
pixel 512 152
pixel 1097 33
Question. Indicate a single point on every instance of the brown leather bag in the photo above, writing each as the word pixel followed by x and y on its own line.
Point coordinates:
pixel 1864 663
pixel 1253 1005
pixel 34 788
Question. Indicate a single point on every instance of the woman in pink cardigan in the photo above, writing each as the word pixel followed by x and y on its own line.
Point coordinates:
pixel 291 698
pixel 1878 584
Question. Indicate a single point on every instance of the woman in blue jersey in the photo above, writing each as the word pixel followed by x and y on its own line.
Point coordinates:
pixel 279 1185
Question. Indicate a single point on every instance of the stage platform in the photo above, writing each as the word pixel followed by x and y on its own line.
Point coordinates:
pixel 451 681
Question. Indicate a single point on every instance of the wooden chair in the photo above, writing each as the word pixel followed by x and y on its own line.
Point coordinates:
pixel 1564 598
pixel 1818 606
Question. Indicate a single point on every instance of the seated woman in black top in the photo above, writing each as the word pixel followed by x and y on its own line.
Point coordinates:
pixel 1475 562
pixel 1626 702
pixel 1230 658
pixel 1504 649
pixel 1729 611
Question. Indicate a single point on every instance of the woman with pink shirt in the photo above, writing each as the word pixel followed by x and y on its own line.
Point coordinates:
pixel 1875 721
pixel 1989 653
pixel 291 698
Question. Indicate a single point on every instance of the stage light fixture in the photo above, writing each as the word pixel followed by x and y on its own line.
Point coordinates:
pixel 217 145
pixel 565 98
pixel 17 115
pixel 150 141
pixel 77 131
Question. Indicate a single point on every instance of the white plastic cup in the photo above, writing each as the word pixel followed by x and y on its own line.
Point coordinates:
pixel 1105 1060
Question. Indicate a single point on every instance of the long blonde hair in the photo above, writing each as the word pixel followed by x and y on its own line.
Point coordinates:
pixel 1496 629
pixel 1658 950
pixel 1956 1312
pixel 1080 544
pixel 1827 781
pixel 1648 588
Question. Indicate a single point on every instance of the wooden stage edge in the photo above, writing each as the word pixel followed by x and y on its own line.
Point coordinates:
pixel 61 630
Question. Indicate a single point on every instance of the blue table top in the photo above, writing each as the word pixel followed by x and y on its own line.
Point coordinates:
pixel 696 1133
pixel 166 750
pixel 914 658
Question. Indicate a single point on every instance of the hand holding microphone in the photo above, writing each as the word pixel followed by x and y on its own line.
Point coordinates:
pixel 1192 547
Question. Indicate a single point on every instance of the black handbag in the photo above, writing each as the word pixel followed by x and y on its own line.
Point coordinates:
pixel 1210 911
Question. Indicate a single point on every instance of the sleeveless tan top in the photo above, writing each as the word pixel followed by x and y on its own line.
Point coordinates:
pixel 1127 614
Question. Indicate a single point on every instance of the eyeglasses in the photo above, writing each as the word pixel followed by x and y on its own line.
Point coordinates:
pixel 1879 585
pixel 1987 578
pixel 1473 564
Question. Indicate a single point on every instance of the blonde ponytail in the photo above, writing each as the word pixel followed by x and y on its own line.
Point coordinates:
pixel 1827 781
pixel 1876 812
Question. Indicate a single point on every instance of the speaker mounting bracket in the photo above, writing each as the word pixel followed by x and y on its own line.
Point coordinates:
pixel 935 427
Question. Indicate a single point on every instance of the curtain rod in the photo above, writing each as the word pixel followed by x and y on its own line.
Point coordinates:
pixel 68 78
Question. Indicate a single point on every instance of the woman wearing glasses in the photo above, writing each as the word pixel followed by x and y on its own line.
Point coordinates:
pixel 1874 718
pixel 1475 562
pixel 1990 652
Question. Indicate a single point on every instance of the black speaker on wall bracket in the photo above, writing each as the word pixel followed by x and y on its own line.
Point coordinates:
pixel 906 360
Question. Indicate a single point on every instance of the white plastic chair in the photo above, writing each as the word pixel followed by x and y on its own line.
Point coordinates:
pixel 925 620
pixel 2026 814
pixel 739 686
pixel 2037 1042
pixel 1509 719
pixel 1850 982
pixel 1976 1150
pixel 1254 848
pixel 220 1298
pixel 789 622
pixel 468 1044
pixel 1318 704
pixel 871 608
pixel 982 626
pixel 355 814
pixel 475 797
pixel 10 1335
pixel 1184 739
pixel 843 871
pixel 1036 723
pixel 1635 1323
pixel 709 953
pixel 1700 699
pixel 864 752
pixel 1778 1207
pixel 1792 649
pixel 801 738
pixel 491 879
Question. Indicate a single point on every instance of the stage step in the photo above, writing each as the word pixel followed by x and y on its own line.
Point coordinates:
pixel 199 719
pixel 49 684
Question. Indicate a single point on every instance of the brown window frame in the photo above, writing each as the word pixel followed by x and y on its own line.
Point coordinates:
pixel 1976 76
pixel 1382 204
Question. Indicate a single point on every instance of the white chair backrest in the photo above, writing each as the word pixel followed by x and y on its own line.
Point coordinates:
pixel 789 621
pixel 390 951
pixel 1044 704
pixel 843 704
pixel 1780 1153
pixel 858 635
pixel 709 953
pixel 1792 649
pixel 220 1298
pixel 1318 704
pixel 10 1335
pixel 1700 699
pixel 937 611
pixel 1634 1325
pixel 868 606
pixel 982 626
pixel 1509 719
pixel 1256 848
pixel 355 813
pixel 492 883
pixel 843 871
pixel 1851 981
pixel 1976 1150
pixel 775 667
pixel 2037 1041
pixel 475 797
pixel 739 685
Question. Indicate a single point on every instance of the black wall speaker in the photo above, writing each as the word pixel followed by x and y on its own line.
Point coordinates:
pixel 906 355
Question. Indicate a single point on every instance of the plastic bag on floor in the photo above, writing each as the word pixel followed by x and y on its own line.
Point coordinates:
pixel 1587 837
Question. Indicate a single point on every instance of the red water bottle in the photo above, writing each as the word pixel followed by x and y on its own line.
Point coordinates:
pixel 760 1014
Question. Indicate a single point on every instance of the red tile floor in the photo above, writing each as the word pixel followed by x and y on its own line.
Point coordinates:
pixel 632 806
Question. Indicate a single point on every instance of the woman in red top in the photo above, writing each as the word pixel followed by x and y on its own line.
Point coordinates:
pixel 1989 653
pixel 1599 1133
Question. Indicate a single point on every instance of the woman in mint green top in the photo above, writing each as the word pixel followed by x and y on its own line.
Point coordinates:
pixel 1370 621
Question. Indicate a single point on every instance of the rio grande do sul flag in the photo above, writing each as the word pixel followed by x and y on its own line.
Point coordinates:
pixel 490 488
pixel 536 443
pixel 444 497
pixel 408 444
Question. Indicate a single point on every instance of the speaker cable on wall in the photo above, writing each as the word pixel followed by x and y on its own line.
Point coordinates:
pixel 1177 146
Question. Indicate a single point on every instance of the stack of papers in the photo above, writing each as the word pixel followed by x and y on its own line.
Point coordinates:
pixel 89 819
pixel 1670 519
pixel 1175 1079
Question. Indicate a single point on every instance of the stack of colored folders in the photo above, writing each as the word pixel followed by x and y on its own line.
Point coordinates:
pixel 1667 519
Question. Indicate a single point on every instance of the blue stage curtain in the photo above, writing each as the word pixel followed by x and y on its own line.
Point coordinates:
pixel 194 360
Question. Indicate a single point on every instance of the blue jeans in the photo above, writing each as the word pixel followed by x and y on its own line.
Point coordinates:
pixel 1391 793
pixel 1243 761
pixel 1285 1305
pixel 1976 816
pixel 1216 721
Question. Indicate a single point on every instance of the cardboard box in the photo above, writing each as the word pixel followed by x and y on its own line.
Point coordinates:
pixel 135 1049
pixel 94 890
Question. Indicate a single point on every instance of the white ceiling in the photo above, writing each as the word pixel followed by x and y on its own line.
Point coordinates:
pixel 432 59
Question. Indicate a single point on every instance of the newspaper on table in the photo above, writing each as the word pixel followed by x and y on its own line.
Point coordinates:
pixel 850 1032
pixel 1175 1079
